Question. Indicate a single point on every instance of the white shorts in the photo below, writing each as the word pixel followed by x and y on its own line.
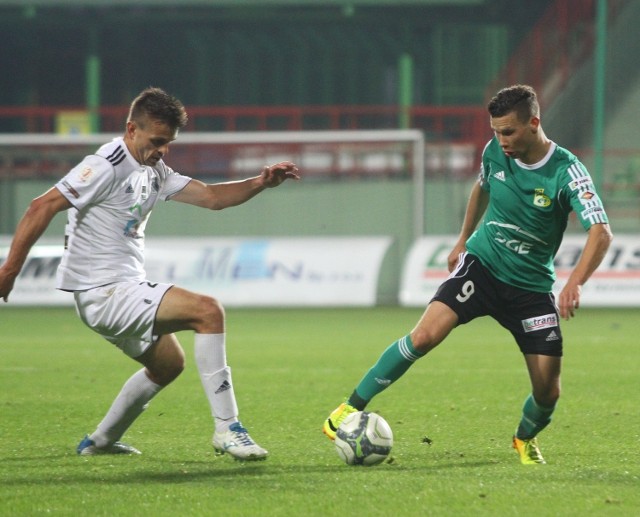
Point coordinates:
pixel 123 313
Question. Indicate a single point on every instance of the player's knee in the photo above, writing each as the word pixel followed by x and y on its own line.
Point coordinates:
pixel 176 369
pixel 167 372
pixel 211 315
pixel 173 372
pixel 424 340
pixel 547 397
pixel 554 396
pixel 164 362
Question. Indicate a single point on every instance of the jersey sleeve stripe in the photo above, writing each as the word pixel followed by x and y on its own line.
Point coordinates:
pixel 117 156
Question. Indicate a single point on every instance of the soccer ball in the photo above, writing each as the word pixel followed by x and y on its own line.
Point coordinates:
pixel 364 439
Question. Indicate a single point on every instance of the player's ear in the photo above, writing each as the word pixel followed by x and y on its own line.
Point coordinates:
pixel 534 124
pixel 131 128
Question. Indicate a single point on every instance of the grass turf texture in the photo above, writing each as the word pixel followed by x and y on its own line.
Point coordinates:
pixel 291 368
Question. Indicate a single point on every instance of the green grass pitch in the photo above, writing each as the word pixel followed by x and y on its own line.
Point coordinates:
pixel 291 368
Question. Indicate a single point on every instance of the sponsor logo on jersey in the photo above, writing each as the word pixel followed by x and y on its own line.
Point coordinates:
pixel 540 322
pixel 520 247
pixel 132 226
pixel 591 211
pixel 541 199
pixel 129 189
pixel 499 176
pixel 580 182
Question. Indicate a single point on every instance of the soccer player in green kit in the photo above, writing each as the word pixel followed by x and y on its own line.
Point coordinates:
pixel 502 263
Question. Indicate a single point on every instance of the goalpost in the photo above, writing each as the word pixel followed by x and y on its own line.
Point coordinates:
pixel 320 155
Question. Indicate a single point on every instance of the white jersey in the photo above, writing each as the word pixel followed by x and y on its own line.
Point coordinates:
pixel 112 197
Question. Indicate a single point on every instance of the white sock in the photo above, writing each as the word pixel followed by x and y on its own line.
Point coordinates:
pixel 132 400
pixel 211 360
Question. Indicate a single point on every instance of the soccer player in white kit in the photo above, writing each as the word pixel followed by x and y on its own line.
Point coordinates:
pixel 109 197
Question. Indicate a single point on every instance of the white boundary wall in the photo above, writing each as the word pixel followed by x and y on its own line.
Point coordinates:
pixel 290 272
pixel 616 283
pixel 317 272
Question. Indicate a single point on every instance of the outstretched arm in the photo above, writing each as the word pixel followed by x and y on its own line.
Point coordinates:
pixel 217 196
pixel 596 247
pixel 476 206
pixel 34 222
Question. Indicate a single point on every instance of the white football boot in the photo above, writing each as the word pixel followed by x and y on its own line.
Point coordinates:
pixel 237 442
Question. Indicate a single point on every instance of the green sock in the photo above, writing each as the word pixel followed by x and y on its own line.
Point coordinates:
pixel 534 418
pixel 391 365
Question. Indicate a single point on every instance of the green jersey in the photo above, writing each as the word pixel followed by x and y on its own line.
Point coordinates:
pixel 527 215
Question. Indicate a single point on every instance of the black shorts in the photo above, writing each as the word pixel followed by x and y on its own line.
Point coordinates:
pixel 532 318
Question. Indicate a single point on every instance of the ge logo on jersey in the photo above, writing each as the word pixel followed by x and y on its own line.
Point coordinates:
pixel 516 245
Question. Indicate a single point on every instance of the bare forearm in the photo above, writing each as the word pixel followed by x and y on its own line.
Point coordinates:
pixel 476 206
pixel 595 249
pixel 234 193
pixel 29 230
pixel 32 225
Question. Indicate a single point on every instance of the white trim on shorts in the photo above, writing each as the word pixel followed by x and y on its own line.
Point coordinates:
pixel 123 313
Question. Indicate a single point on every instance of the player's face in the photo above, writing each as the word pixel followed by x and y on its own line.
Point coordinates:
pixel 149 142
pixel 517 138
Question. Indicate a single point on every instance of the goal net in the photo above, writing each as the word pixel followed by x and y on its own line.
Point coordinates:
pixel 320 155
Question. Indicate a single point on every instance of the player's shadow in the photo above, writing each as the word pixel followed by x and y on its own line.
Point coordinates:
pixel 129 469
pixel 156 472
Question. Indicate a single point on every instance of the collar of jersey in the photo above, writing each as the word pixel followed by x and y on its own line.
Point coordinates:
pixel 541 163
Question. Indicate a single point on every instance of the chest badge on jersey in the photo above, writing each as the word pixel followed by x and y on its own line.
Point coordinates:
pixel 540 199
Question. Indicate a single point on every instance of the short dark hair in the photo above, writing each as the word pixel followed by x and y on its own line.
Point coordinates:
pixel 520 98
pixel 157 104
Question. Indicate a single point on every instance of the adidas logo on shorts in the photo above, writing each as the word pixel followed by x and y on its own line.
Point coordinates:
pixel 552 336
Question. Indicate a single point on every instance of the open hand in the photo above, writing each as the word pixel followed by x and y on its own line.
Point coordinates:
pixel 274 175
